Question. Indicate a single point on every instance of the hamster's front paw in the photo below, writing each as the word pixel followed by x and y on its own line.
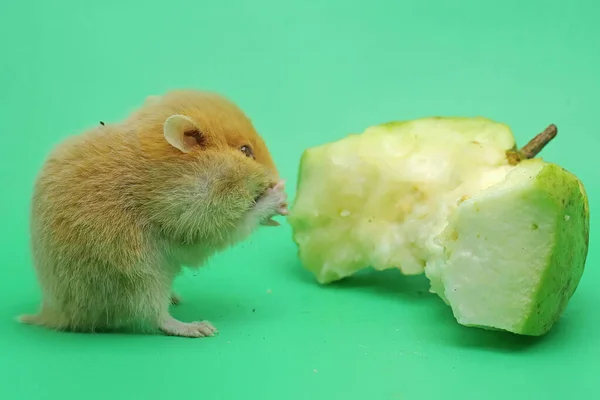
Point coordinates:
pixel 272 203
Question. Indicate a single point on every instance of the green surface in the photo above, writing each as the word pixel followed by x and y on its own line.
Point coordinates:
pixel 306 72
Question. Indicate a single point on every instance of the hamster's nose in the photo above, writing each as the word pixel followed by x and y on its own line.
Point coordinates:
pixel 279 184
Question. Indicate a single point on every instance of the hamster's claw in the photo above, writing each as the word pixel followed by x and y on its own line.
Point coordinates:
pixel 283 209
pixel 175 299
pixel 270 222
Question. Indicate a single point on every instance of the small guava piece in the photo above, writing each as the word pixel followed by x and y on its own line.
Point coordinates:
pixel 515 252
pixel 377 199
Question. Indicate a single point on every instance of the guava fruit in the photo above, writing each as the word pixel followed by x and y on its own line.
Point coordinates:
pixel 501 235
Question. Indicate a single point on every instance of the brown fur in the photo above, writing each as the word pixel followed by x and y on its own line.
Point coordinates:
pixel 117 210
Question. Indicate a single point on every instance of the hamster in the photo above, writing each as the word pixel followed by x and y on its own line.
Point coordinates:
pixel 118 210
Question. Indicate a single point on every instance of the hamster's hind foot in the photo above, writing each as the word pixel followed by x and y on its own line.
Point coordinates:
pixel 173 327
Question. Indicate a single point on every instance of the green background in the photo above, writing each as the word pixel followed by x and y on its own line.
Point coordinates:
pixel 306 72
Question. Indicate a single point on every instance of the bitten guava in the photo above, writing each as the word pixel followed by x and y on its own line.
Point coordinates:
pixel 501 235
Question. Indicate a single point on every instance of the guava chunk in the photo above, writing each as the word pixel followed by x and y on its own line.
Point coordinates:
pixel 515 252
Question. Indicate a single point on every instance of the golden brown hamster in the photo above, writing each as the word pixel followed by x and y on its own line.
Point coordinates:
pixel 119 209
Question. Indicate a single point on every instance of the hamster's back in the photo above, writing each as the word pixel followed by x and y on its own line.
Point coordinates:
pixel 82 202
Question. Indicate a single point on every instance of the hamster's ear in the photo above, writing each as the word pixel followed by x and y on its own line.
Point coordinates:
pixel 182 133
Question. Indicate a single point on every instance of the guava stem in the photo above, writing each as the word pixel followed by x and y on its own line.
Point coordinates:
pixel 536 144
pixel 534 147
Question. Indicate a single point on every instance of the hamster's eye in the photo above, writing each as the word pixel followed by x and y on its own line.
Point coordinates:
pixel 247 150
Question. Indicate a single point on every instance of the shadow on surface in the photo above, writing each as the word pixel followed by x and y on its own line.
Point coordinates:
pixel 416 289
